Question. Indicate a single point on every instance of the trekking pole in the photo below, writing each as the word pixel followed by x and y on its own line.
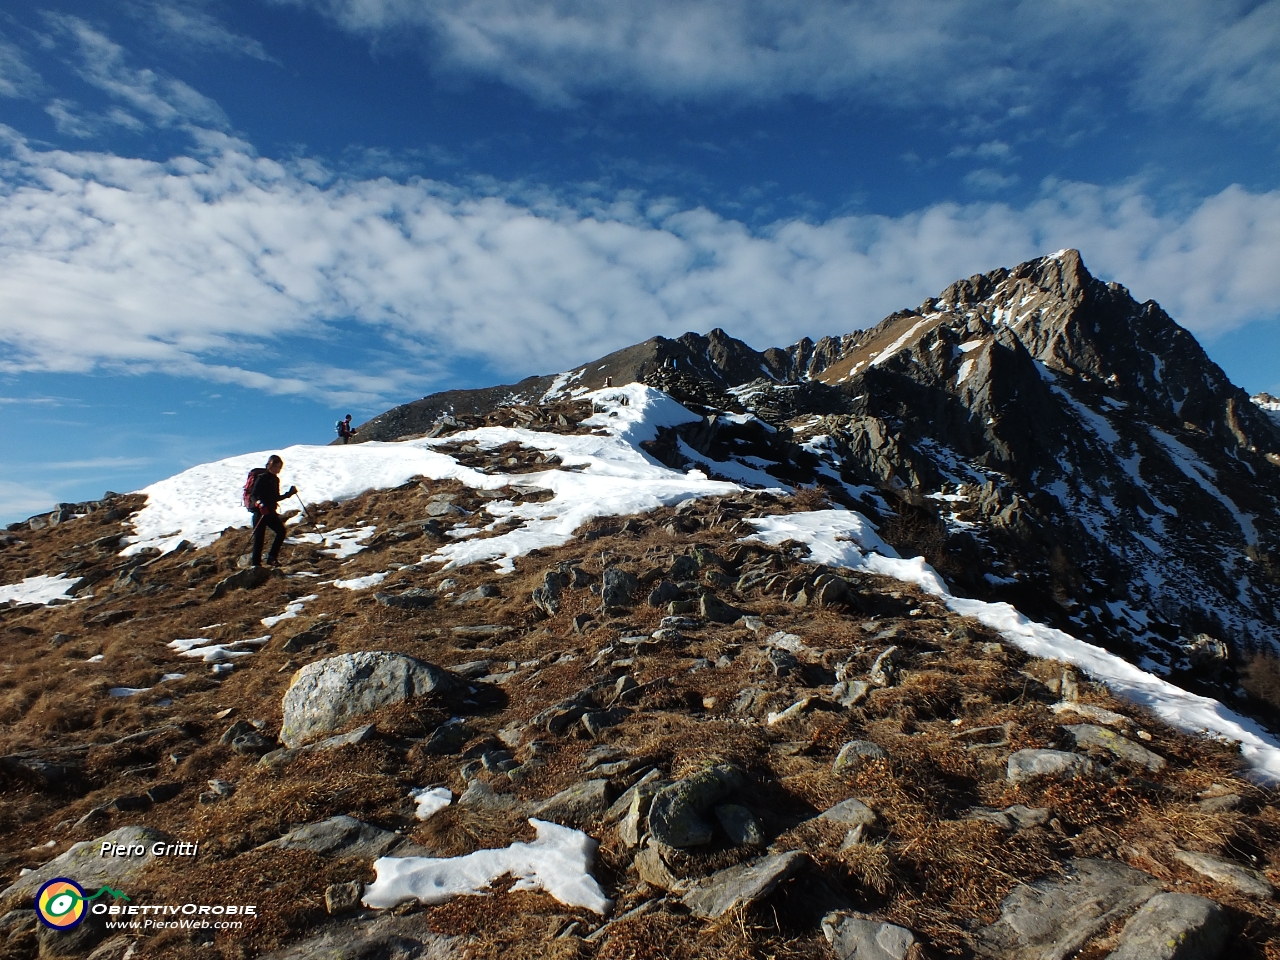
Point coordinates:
pixel 305 511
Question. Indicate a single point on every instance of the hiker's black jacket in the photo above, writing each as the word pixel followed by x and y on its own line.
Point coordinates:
pixel 266 491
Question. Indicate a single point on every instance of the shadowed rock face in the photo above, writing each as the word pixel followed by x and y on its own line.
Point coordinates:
pixel 1052 441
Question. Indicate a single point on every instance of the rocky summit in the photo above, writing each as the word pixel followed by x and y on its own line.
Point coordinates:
pixel 955 637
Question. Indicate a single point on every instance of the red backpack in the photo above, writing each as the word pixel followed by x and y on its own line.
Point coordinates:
pixel 250 480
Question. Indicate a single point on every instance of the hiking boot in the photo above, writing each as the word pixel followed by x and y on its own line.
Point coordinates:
pixel 273 561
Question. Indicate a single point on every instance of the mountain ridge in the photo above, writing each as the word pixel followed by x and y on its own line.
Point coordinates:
pixel 1076 451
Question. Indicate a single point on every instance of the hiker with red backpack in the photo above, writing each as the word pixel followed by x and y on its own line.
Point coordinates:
pixel 345 430
pixel 261 497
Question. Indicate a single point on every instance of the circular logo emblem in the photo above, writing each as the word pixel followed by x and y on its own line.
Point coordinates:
pixel 60 904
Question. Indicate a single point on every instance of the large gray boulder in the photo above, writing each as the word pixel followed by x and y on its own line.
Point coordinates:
pixel 1174 926
pixel 678 814
pixel 1053 918
pixel 340 836
pixel 85 863
pixel 327 695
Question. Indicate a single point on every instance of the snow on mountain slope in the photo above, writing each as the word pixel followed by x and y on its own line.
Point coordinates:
pixel 610 476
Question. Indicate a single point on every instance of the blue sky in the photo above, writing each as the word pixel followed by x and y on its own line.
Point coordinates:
pixel 224 224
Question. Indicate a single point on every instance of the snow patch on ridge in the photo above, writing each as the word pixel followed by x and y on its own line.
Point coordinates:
pixel 847 539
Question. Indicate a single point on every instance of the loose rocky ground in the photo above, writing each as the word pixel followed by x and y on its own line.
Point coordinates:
pixel 777 760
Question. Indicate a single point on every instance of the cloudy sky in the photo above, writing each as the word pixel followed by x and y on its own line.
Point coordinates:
pixel 224 224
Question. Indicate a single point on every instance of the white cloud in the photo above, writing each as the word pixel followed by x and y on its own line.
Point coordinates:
pixel 191 267
pixel 24 500
pixel 987 180
pixel 189 22
pixel 17 78
pixel 1222 54
pixel 164 100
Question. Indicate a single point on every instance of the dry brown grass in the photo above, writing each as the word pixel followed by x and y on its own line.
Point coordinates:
pixel 923 864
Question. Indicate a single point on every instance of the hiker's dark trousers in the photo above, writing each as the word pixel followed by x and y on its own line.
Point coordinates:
pixel 261 522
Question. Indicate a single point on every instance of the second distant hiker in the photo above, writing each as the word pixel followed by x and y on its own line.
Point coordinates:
pixel 262 496
pixel 345 430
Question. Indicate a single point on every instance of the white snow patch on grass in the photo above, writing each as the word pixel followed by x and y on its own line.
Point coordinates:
pixel 340 543
pixel 218 652
pixel 847 539
pixel 557 861
pixel 361 583
pixel 41 589
pixel 291 610
pixel 430 801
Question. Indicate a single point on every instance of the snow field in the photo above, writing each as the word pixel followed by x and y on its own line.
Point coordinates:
pixel 847 539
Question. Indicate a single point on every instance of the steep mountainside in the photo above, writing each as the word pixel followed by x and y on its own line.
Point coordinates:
pixel 524 692
pixel 1043 437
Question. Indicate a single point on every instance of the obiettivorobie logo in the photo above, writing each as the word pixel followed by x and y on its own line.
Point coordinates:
pixel 61 903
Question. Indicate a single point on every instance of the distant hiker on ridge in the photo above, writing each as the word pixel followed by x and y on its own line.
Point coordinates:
pixel 345 430
pixel 262 495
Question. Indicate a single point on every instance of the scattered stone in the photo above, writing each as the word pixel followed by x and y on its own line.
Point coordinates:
pixel 1221 804
pixel 715 610
pixel 677 815
pixel 782 662
pixel 85 863
pixel 342 897
pixel 595 722
pixel 1058 764
pixel 580 622
pixel 448 738
pixel 414 598
pixel 1090 735
pixel 340 836
pixel 1053 918
pixel 245 579
pixel 577 805
pixel 546 597
pixel 42 771
pixel 252 742
pixel 682 568
pixel 852 812
pixel 286 755
pixel 1090 712
pixel 1243 880
pixel 647 786
pixel 629 827
pixel 383 935
pixel 857 936
pixel 1174 926
pixel 850 693
pixel 326 694
pixel 739 824
pixel 663 593
pixel 486 591
pixel 1016 817
pixel 617 588
pixel 857 752
pixel 742 884
pixel 654 871
pixel 163 792
pixel 884 672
